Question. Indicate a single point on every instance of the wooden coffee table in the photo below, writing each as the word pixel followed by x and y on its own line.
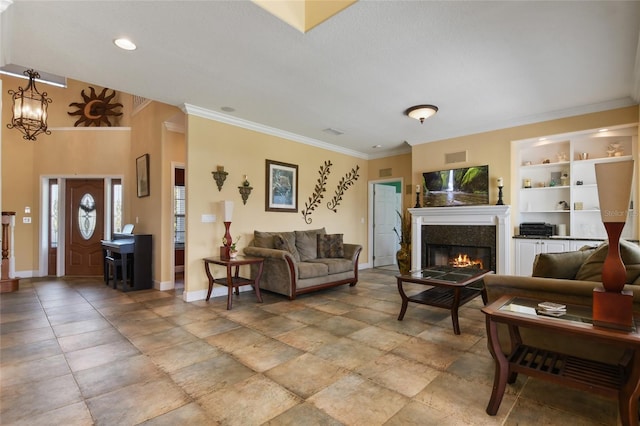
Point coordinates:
pixel 620 380
pixel 450 288
pixel 234 280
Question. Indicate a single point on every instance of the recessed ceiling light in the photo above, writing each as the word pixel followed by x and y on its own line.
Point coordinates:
pixel 377 146
pixel 228 109
pixel 125 43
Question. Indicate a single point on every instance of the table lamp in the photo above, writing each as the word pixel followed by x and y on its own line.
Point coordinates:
pixel 227 212
pixel 612 306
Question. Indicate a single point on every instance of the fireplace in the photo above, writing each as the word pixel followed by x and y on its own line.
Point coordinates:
pixel 480 232
pixel 459 245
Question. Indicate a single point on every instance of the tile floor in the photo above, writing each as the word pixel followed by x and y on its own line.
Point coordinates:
pixel 75 352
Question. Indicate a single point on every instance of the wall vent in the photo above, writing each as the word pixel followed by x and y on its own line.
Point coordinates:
pixel 139 103
pixel 384 172
pixel 455 157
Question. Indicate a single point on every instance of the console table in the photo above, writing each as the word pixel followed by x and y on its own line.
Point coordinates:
pixel 232 281
pixel 621 380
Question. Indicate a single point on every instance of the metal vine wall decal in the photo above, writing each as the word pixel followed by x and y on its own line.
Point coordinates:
pixel 314 200
pixel 344 184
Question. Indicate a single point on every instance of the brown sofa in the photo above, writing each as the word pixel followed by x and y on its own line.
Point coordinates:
pixel 567 278
pixel 297 262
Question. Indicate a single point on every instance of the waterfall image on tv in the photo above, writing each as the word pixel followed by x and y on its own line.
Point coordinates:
pixel 456 187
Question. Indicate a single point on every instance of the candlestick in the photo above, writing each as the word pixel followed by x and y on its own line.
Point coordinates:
pixel 418 188
pixel 500 182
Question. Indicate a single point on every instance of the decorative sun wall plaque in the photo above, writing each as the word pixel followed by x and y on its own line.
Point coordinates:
pixel 96 109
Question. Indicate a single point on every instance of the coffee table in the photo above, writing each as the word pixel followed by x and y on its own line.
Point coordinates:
pixel 620 380
pixel 450 288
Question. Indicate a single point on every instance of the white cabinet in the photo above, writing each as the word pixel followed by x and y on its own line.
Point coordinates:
pixel 557 184
pixel 528 248
pixel 576 245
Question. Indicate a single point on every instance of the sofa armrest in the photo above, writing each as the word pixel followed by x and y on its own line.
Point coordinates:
pixel 268 253
pixel 352 251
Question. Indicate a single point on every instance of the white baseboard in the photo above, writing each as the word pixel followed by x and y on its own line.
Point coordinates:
pixel 163 285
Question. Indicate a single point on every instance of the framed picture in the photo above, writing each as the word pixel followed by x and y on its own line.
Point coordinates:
pixel 282 187
pixel 142 175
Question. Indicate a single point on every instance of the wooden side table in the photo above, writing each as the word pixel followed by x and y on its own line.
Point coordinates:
pixel 232 281
pixel 621 380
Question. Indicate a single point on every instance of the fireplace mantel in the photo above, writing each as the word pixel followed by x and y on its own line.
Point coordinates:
pixel 498 216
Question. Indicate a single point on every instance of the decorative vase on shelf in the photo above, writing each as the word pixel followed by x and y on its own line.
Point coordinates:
pixel 403 256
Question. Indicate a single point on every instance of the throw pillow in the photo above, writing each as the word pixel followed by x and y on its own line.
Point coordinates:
pixel 286 242
pixel 330 245
pixel 306 243
pixel 559 265
pixel 591 270
pixel 263 239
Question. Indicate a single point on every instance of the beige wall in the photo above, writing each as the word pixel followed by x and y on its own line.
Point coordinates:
pixel 400 166
pixel 153 214
pixel 241 151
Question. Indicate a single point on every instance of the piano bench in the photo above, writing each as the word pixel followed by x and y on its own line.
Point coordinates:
pixel 114 271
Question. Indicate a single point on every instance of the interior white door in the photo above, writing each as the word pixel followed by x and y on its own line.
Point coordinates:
pixel 385 218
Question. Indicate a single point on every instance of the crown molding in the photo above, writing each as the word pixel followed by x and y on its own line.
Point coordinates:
pixel 4 4
pixel 174 127
pixel 261 128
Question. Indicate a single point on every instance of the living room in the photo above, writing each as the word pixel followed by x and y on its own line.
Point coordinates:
pixel 202 140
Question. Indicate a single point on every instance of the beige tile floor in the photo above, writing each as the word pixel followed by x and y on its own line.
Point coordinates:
pixel 75 352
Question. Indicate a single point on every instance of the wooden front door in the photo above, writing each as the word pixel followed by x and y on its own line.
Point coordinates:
pixel 84 226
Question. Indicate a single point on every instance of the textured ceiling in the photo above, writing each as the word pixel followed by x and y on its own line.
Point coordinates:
pixel 486 65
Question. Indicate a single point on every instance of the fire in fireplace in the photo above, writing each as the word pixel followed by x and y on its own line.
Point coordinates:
pixel 458 256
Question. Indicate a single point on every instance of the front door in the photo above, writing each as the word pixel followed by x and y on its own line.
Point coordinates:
pixel 84 226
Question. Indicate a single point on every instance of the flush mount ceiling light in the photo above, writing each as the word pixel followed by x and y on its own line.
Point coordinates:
pixel 30 109
pixel 125 44
pixel 421 112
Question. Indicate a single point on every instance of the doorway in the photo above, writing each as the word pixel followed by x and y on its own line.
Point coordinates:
pixel 385 197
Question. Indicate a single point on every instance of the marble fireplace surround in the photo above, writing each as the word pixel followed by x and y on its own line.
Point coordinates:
pixel 485 215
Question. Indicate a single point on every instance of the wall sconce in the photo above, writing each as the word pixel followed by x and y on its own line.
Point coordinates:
pixel 245 190
pixel 30 109
pixel 220 176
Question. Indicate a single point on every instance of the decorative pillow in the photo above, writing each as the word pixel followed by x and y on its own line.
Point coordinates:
pixel 307 244
pixel 560 265
pixel 591 270
pixel 330 245
pixel 263 239
pixel 286 242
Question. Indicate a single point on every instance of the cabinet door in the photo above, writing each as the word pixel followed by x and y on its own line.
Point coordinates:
pixel 526 251
pixel 578 244
pixel 554 246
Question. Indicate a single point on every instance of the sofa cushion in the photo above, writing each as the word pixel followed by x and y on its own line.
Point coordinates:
pixel 591 269
pixel 286 241
pixel 336 265
pixel 307 244
pixel 312 270
pixel 330 245
pixel 560 265
pixel 265 239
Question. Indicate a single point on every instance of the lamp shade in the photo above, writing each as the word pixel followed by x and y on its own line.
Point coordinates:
pixel 614 189
pixel 227 210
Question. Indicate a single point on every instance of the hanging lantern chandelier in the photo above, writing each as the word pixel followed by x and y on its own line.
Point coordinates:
pixel 30 109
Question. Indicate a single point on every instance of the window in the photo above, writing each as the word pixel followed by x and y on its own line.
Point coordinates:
pixel 53 213
pixel 116 212
pixel 179 207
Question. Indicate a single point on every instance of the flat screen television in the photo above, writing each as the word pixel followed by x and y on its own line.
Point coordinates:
pixel 456 187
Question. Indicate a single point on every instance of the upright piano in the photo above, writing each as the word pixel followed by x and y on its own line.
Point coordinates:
pixel 134 249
